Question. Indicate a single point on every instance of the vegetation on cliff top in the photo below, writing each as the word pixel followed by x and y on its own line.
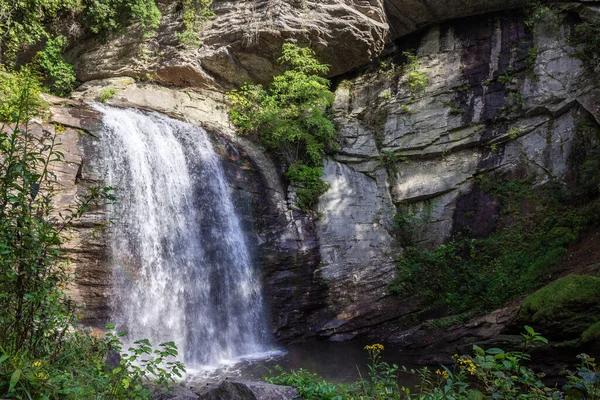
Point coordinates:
pixel 36 32
pixel 292 118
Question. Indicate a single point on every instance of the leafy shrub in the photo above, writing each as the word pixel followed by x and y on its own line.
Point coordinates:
pixel 139 365
pixel 291 118
pixel 309 185
pixel 475 273
pixel 106 94
pixel 310 386
pixel 583 383
pixel 59 72
pixel 25 23
pixel 417 80
pixel 80 370
pixel 20 94
pixel 113 16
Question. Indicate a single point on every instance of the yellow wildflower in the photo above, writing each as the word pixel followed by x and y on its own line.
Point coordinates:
pixel 444 373
pixel 37 364
pixel 467 364
pixel 374 347
pixel 42 375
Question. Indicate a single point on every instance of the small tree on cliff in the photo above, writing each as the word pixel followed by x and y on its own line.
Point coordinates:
pixel 292 117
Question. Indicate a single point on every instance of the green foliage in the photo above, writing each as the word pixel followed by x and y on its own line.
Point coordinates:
pixel 514 104
pixel 474 273
pixel 43 354
pixel 113 16
pixel 59 72
pixel 309 185
pixel 106 94
pixel 13 87
pixel 80 370
pixel 24 24
pixel 386 94
pixel 540 10
pixel 310 386
pixel 532 55
pixel 558 300
pixel 587 41
pixel 514 133
pixel 292 118
pixel 417 80
pixel 382 381
pixel 140 364
pixel 195 14
pixel 592 333
pixel 584 382
pixel 486 374
pixel 408 221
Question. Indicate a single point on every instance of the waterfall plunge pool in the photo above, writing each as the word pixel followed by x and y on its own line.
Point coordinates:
pixel 338 362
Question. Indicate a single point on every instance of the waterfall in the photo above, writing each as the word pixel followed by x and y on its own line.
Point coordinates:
pixel 182 269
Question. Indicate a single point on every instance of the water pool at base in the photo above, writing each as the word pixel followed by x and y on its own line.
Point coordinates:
pixel 339 362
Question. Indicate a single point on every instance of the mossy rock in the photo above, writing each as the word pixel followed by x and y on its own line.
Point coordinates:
pixel 591 334
pixel 563 309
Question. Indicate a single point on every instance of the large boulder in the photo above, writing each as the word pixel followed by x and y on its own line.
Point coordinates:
pixel 241 42
pixel 246 390
pixel 565 308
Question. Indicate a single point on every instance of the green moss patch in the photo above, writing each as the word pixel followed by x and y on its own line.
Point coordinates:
pixel 565 308
pixel 592 333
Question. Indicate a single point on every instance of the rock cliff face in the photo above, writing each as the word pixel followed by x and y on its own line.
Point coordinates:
pixel 489 105
pixel 242 42
pixel 76 127
pixel 499 97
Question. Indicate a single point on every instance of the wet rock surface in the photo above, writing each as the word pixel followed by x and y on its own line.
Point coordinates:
pixel 76 126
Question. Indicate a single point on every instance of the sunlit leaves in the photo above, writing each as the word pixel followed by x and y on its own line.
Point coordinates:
pixel 292 118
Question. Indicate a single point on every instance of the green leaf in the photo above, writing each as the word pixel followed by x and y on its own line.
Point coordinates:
pixel 14 379
pixel 478 350
pixel 494 351
pixel 540 339
pixel 529 330
pixel 475 395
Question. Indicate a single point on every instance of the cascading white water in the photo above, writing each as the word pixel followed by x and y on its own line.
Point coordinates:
pixel 182 269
